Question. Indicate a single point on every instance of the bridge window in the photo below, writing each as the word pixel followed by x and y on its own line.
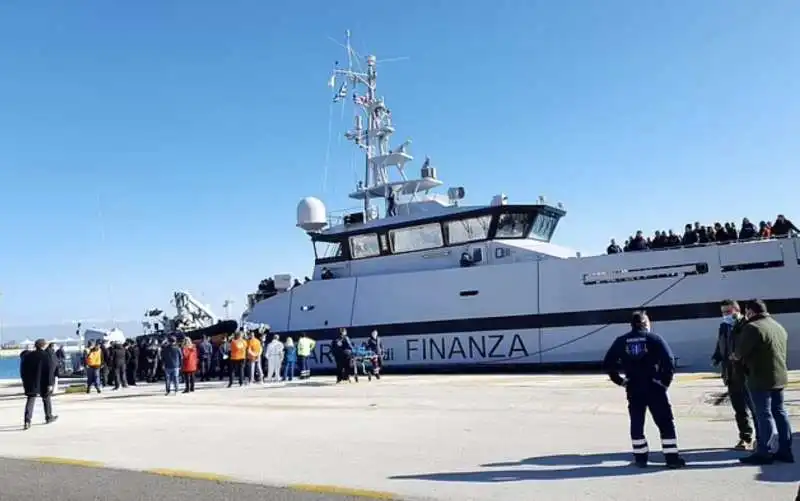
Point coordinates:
pixel 468 230
pixel 513 225
pixel 362 246
pixel 543 227
pixel 416 238
pixel 327 250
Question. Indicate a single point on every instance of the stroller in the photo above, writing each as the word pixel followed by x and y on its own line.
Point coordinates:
pixel 367 361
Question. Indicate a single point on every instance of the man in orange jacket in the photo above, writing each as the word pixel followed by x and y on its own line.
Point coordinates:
pixel 238 354
pixel 254 350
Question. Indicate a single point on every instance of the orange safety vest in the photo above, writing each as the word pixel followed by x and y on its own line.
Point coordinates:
pixel 238 347
pixel 254 349
pixel 94 359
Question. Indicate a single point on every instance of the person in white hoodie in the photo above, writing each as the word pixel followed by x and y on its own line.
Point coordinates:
pixel 274 358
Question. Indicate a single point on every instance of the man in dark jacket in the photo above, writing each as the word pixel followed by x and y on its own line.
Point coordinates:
pixel 762 350
pixel 342 349
pixel 38 378
pixel 106 374
pixel 171 358
pixel 733 374
pixel 133 361
pixel 782 227
pixel 204 352
pixel 51 350
pixel 119 357
pixel 649 368
pixel 152 353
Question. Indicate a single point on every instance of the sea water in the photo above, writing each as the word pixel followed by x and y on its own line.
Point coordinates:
pixel 9 368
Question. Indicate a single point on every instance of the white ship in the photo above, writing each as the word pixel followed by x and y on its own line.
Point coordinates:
pixel 448 284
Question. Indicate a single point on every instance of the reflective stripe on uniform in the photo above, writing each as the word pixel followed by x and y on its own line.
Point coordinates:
pixel 669 445
pixel 641 450
pixel 639 442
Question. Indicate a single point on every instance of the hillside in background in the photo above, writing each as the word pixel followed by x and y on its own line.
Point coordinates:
pixel 131 328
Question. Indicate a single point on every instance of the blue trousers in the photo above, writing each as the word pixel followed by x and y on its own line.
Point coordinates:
pixel 771 417
pixel 655 400
pixel 92 379
pixel 288 370
pixel 171 376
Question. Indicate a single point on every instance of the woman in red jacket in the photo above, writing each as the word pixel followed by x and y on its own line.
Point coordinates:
pixel 189 365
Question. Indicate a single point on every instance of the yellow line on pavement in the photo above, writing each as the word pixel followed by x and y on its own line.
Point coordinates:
pixel 194 475
pixel 68 461
pixel 344 491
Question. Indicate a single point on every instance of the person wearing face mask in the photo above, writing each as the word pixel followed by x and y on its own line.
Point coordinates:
pixel 732 371
pixel 762 349
pixel 649 368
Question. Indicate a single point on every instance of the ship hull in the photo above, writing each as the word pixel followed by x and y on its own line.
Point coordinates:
pixel 547 312
pixel 692 342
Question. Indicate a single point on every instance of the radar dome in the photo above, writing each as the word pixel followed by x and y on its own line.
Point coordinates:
pixel 311 215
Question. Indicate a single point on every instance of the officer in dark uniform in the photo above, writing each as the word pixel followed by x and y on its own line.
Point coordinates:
pixel 648 364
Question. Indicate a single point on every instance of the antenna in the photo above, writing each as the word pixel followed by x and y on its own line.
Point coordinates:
pixel 359 135
pixel 371 132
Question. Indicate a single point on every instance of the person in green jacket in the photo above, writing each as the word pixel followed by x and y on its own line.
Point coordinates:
pixel 305 346
pixel 762 351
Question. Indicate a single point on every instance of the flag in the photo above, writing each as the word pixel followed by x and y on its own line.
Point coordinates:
pixel 332 81
pixel 341 94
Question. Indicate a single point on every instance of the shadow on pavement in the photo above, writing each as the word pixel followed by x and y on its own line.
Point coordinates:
pixel 121 396
pixel 16 427
pixel 574 466
pixel 782 473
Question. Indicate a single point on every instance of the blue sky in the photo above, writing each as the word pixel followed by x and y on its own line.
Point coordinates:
pixel 151 146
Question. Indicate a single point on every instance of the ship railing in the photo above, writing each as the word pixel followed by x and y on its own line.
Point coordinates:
pixel 336 217
pixel 714 244
pixel 679 270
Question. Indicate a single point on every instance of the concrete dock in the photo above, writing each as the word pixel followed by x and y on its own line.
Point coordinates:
pixel 499 438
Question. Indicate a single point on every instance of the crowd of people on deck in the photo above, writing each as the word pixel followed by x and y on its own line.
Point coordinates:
pixel 698 234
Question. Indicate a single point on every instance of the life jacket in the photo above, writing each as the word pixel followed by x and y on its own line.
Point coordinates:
pixel 94 359
pixel 254 349
pixel 238 348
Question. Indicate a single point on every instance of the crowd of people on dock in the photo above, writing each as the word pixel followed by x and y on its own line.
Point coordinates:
pixel 699 234
pixel 244 357
pixel 177 359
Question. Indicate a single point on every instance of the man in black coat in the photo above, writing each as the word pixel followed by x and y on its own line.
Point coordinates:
pixel 38 378
pixel 133 361
pixel 119 357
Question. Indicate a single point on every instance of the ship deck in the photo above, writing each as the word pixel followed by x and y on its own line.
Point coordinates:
pixel 485 437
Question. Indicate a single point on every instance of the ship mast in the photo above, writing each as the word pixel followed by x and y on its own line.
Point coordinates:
pixel 374 138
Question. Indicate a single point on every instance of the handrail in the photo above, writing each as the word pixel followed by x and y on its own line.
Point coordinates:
pixel 710 244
